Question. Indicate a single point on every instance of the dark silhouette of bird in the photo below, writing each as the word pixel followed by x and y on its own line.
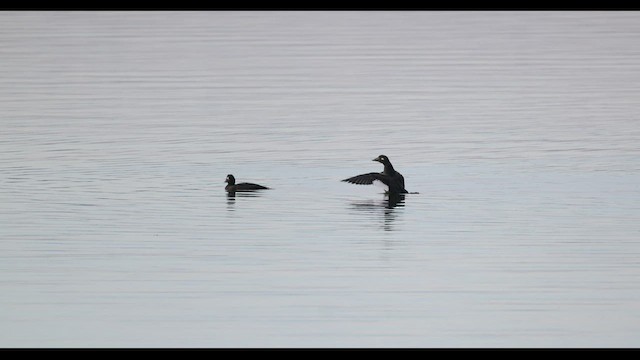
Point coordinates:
pixel 233 187
pixel 390 177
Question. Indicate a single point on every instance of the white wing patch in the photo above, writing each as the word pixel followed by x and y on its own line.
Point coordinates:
pixel 381 185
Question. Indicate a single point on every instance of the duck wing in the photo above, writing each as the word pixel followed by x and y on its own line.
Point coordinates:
pixel 367 179
pixel 249 186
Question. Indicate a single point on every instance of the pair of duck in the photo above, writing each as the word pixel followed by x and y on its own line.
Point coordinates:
pixel 389 177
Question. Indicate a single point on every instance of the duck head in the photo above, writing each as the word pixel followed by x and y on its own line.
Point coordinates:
pixel 382 159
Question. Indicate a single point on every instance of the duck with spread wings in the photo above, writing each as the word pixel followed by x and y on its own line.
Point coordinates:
pixel 389 177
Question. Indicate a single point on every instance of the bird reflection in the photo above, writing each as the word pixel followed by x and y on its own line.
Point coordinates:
pixel 389 206
pixel 231 197
pixel 394 200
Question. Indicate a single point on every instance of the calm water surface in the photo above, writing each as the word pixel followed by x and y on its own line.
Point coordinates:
pixel 519 131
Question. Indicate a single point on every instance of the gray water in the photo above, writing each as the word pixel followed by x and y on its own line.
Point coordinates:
pixel 520 131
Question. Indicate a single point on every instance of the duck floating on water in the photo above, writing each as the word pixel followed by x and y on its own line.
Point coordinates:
pixel 233 187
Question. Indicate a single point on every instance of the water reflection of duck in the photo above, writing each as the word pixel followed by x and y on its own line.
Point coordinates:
pixel 390 201
pixel 232 187
pixel 390 207
pixel 389 177
pixel 232 195
pixel 394 200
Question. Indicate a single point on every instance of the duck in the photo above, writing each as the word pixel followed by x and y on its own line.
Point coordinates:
pixel 389 176
pixel 233 187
